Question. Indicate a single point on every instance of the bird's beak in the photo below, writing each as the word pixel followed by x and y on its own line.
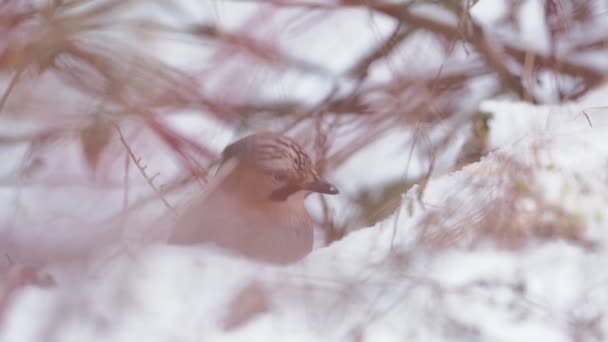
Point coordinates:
pixel 321 186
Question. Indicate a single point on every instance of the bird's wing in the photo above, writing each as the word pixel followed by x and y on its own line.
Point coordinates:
pixel 202 221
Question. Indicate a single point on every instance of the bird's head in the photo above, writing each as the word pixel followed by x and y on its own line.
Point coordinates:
pixel 274 166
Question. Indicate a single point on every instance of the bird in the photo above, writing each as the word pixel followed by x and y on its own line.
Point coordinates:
pixel 255 204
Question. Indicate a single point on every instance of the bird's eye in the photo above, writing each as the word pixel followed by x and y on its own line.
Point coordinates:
pixel 280 176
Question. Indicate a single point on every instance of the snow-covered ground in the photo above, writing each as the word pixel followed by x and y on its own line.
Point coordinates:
pixel 403 279
pixel 508 249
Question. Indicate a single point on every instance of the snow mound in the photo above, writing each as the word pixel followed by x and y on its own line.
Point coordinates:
pixel 508 249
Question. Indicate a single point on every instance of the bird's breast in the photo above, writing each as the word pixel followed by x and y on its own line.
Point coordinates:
pixel 282 238
pixel 268 231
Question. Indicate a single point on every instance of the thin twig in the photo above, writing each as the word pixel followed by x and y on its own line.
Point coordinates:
pixel 587 117
pixel 137 162
pixel 10 88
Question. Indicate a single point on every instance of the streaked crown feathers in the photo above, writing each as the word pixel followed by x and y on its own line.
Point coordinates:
pixel 271 152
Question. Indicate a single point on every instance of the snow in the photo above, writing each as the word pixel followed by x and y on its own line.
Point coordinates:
pixel 534 32
pixel 376 283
